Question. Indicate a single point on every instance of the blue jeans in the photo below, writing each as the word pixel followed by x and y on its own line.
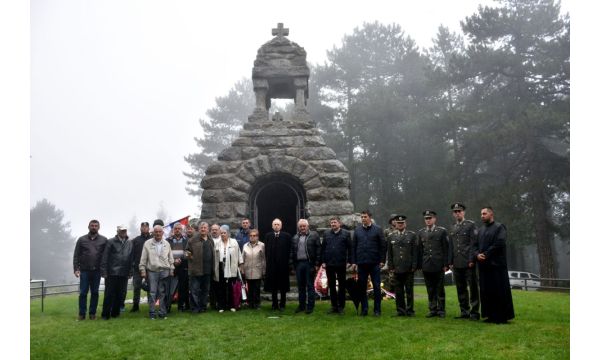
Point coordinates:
pixel 372 270
pixel 159 282
pixel 88 281
pixel 305 276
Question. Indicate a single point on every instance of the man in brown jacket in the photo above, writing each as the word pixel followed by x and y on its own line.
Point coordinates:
pixel 201 267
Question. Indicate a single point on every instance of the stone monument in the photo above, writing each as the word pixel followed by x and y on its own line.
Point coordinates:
pixel 278 167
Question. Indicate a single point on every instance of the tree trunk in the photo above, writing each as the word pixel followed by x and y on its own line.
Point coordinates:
pixel 543 235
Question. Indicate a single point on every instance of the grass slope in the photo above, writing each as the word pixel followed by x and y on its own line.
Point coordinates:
pixel 540 331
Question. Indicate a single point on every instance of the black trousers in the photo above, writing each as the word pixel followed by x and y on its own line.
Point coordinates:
pixel 183 289
pixel 436 293
pixel 467 289
pixel 275 304
pixel 224 290
pixel 404 284
pixel 338 296
pixel 113 295
pixel 253 293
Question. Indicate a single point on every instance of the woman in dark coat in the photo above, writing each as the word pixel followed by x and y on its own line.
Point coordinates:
pixel 496 297
pixel 278 245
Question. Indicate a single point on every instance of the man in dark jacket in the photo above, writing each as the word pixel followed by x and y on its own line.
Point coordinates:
pixel 306 257
pixel 433 250
pixel 116 268
pixel 200 255
pixel 369 257
pixel 243 234
pixel 178 244
pixel 86 266
pixel 463 237
pixel 403 252
pixel 138 244
pixel 336 250
pixel 278 246
pixel 496 297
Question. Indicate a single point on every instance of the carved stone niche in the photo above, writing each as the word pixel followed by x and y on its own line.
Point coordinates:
pixel 280 72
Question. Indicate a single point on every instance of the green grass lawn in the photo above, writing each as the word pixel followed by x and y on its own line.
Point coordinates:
pixel 540 331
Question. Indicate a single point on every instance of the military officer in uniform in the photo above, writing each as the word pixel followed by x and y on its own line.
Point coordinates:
pixel 463 257
pixel 387 277
pixel 402 258
pixel 433 250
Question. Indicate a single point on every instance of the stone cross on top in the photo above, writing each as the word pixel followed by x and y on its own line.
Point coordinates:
pixel 280 31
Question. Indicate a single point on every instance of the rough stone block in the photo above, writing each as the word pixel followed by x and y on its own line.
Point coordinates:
pixel 212 196
pixel 313 141
pixel 214 168
pixel 328 166
pixel 218 181
pixel 232 195
pixel 224 210
pixel 231 154
pixel 329 207
pixel 313 183
pixel 242 141
pixel 241 185
pixel 246 175
pixel 250 152
pixel 282 163
pixel 208 211
pixel 320 194
pixel 333 180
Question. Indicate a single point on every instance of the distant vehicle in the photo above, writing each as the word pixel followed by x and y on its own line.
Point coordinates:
pixel 523 280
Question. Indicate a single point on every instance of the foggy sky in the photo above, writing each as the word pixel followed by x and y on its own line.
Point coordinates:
pixel 117 88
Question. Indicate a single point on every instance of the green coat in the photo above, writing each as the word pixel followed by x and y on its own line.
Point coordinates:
pixel 402 251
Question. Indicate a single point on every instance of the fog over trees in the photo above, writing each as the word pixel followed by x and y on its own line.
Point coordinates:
pixel 481 117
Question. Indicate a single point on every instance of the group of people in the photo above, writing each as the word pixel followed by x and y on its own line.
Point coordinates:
pixel 209 267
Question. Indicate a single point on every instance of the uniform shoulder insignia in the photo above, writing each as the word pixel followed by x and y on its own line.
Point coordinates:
pixel 441 228
pixel 470 221
pixel 421 229
pixel 410 232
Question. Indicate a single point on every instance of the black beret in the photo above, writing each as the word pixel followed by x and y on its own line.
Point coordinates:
pixel 158 222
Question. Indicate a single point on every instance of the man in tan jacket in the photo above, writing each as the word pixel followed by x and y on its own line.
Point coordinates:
pixel 156 266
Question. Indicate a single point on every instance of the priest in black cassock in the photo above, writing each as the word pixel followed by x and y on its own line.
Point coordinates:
pixel 278 245
pixel 494 286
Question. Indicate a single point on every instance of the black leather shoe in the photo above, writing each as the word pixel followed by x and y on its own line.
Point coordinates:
pixel 398 314
pixel 410 314
pixel 474 317
pixel 332 311
pixel 364 313
pixel 299 310
pixel 431 314
pixel 441 314
pixel 341 312
pixel 462 317
pixel 377 314
pixel 308 311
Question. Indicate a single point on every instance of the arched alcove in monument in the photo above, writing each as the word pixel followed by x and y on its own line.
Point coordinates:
pixel 277 195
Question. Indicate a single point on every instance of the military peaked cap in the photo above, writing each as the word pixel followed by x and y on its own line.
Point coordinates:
pixel 457 206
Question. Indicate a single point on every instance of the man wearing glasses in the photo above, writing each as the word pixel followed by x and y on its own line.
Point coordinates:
pixel 463 254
